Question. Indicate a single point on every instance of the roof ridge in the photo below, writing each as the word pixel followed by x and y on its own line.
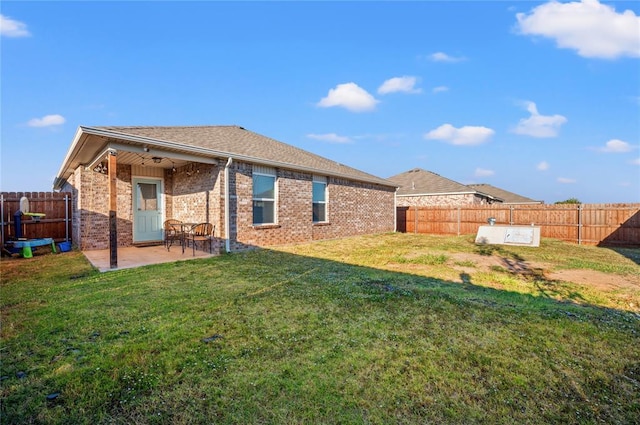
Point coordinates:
pixel 172 126
pixel 436 174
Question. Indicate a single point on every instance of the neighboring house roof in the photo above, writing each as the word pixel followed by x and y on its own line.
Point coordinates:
pixel 419 182
pixel 508 197
pixel 206 142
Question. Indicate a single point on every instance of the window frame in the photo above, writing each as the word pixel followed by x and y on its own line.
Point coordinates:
pixel 320 180
pixel 143 202
pixel 259 171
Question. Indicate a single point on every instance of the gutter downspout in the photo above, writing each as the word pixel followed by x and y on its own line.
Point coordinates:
pixel 227 198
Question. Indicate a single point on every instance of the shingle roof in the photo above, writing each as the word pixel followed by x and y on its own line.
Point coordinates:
pixel 423 182
pixel 508 197
pixel 236 141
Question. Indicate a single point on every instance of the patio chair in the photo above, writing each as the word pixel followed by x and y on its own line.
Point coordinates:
pixel 202 232
pixel 173 232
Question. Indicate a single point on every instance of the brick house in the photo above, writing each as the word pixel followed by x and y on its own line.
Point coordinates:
pixel 257 191
pixel 422 188
pixel 508 198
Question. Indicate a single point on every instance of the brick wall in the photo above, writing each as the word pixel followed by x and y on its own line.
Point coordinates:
pixel 91 208
pixel 444 200
pixel 356 209
pixel 192 194
pixel 195 193
pixel 353 209
pixel 293 209
pixel 125 205
pixel 168 194
pixel 93 204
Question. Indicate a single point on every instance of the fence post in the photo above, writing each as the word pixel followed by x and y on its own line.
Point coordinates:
pixel 511 215
pixel 579 224
pixel 459 221
pixel 415 219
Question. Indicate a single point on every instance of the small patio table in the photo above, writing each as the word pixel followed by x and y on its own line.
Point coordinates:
pixel 183 229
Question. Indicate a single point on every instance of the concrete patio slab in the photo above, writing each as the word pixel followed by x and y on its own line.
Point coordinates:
pixel 131 257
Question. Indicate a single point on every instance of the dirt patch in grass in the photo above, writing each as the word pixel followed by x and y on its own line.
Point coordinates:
pixel 595 279
pixel 598 280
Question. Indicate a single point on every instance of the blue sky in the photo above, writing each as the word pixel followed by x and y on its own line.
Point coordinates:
pixel 538 98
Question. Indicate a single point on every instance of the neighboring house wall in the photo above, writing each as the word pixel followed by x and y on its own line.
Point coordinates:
pixel 441 200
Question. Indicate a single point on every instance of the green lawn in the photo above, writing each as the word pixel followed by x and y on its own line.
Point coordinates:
pixel 379 329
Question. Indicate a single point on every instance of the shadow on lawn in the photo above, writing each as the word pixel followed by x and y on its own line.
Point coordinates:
pixel 396 281
pixel 283 268
pixel 551 294
pixel 517 265
pixel 632 254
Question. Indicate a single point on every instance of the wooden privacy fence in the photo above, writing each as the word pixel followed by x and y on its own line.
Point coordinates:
pixel 55 224
pixel 589 224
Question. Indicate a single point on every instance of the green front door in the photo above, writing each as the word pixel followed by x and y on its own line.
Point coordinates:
pixel 147 210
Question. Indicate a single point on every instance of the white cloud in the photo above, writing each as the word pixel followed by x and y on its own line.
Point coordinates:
pixel 467 135
pixel 443 57
pixel 595 30
pixel 440 89
pixel 330 138
pixel 481 172
pixel 349 96
pixel 543 166
pixel 12 28
pixel 566 180
pixel 404 84
pixel 616 146
pixel 46 121
pixel 635 161
pixel 539 125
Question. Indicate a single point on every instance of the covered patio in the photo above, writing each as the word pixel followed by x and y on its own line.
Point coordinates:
pixel 126 185
pixel 131 257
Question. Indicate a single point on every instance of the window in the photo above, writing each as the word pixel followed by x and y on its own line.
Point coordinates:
pixel 264 195
pixel 147 197
pixel 319 199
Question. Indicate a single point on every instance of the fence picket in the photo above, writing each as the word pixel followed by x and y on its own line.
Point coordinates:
pixel 590 224
pixel 55 224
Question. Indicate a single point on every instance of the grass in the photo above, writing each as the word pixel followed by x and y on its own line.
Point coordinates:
pixel 428 259
pixel 367 330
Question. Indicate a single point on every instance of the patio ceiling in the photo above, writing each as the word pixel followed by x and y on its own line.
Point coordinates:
pixel 130 154
pixel 89 149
